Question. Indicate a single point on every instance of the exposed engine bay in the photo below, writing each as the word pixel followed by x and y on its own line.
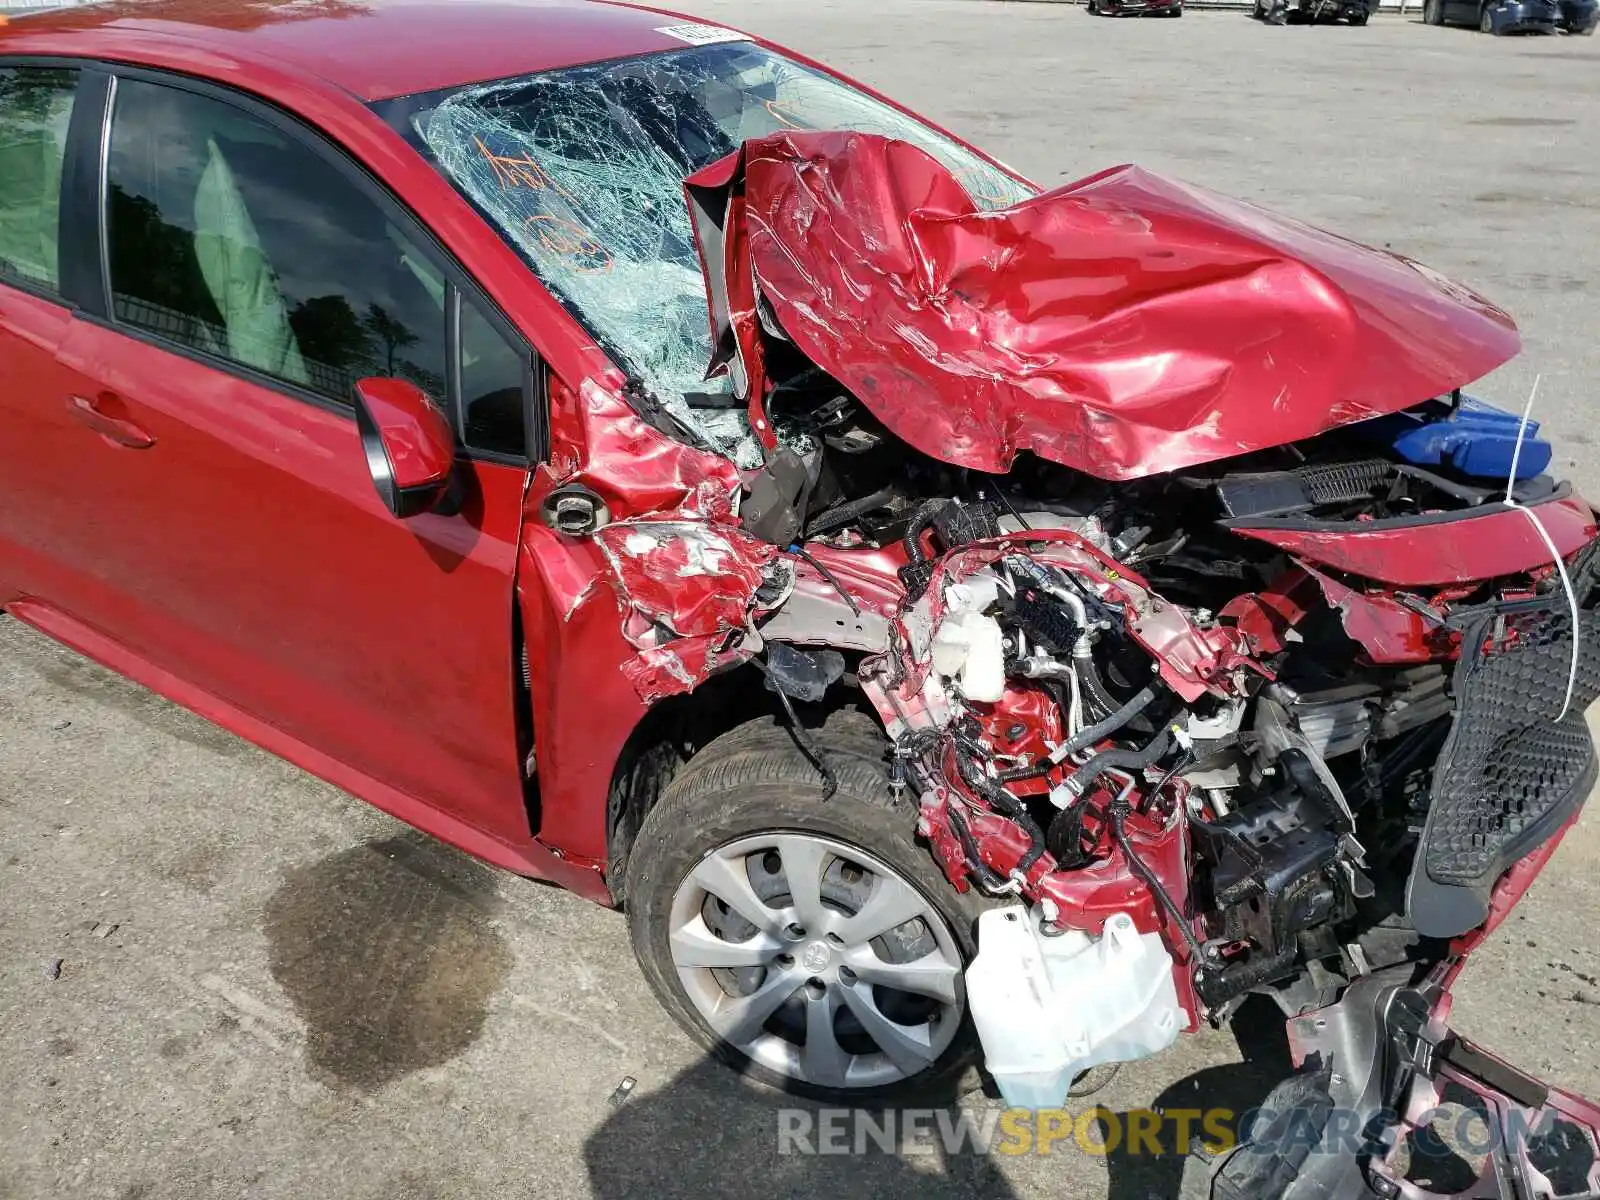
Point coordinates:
pixel 1115 705
pixel 1210 764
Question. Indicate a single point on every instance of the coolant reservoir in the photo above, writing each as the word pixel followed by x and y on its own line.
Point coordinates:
pixel 1048 1008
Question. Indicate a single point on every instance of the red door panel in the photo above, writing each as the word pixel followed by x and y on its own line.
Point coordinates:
pixel 245 551
pixel 36 444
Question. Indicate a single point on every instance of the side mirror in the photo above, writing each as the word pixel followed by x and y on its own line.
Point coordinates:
pixel 409 445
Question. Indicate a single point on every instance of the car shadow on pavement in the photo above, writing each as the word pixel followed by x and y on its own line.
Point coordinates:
pixel 1258 1028
pixel 709 1134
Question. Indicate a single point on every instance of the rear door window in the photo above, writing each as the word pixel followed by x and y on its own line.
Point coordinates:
pixel 35 110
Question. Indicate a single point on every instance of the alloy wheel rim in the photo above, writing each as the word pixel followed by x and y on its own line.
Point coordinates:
pixel 816 960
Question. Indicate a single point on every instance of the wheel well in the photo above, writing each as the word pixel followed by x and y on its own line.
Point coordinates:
pixel 677 729
pixel 669 736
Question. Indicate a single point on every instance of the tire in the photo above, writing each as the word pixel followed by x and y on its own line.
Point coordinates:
pixel 1175 12
pixel 1433 12
pixel 1359 19
pixel 752 802
pixel 1486 23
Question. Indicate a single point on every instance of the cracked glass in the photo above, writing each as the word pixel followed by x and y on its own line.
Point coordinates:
pixel 581 170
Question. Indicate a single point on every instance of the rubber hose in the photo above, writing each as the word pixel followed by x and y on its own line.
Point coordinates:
pixel 987 876
pixel 1103 729
pixel 921 519
pixel 1008 805
pixel 842 514
pixel 1127 760
pixel 1095 694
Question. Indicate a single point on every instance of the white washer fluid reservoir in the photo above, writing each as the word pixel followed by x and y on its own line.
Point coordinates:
pixel 1050 1006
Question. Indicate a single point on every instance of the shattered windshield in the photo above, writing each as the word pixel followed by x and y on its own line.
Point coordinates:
pixel 582 172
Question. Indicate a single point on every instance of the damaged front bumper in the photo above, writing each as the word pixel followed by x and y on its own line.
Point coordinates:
pixel 1387 1101
pixel 1508 777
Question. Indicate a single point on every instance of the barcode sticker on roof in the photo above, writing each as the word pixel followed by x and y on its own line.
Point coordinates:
pixel 703 35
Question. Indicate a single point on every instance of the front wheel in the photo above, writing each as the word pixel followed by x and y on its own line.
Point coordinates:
pixel 1486 23
pixel 1358 18
pixel 1433 12
pixel 809 943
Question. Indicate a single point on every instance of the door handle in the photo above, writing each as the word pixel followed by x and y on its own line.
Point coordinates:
pixel 117 430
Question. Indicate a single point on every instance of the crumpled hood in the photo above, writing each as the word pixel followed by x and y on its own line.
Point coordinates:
pixel 1122 325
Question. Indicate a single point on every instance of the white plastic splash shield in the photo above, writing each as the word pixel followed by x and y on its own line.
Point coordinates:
pixel 1050 1007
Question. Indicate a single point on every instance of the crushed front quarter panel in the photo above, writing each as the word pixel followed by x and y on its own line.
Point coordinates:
pixel 584 615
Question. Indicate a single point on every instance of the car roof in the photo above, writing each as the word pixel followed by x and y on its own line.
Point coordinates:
pixel 373 49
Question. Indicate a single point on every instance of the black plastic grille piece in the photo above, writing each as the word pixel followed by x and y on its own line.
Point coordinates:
pixel 1509 772
pixel 1342 483
pixel 1272 493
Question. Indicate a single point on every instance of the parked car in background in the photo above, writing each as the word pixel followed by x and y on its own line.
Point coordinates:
pixel 950 618
pixel 1289 12
pixel 1580 17
pixel 1516 16
pixel 1134 8
pixel 1502 17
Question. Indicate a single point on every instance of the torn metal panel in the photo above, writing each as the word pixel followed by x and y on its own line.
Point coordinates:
pixel 1439 549
pixel 661 671
pixel 1123 325
pixel 591 685
pixel 684 578
pixel 1388 630
pixel 583 706
pixel 691 592
pixel 1266 617
pixel 597 439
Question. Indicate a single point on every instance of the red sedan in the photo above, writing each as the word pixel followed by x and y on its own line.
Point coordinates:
pixel 945 615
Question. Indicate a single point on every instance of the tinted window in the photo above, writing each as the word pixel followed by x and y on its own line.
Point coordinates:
pixel 491 386
pixel 35 109
pixel 236 239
